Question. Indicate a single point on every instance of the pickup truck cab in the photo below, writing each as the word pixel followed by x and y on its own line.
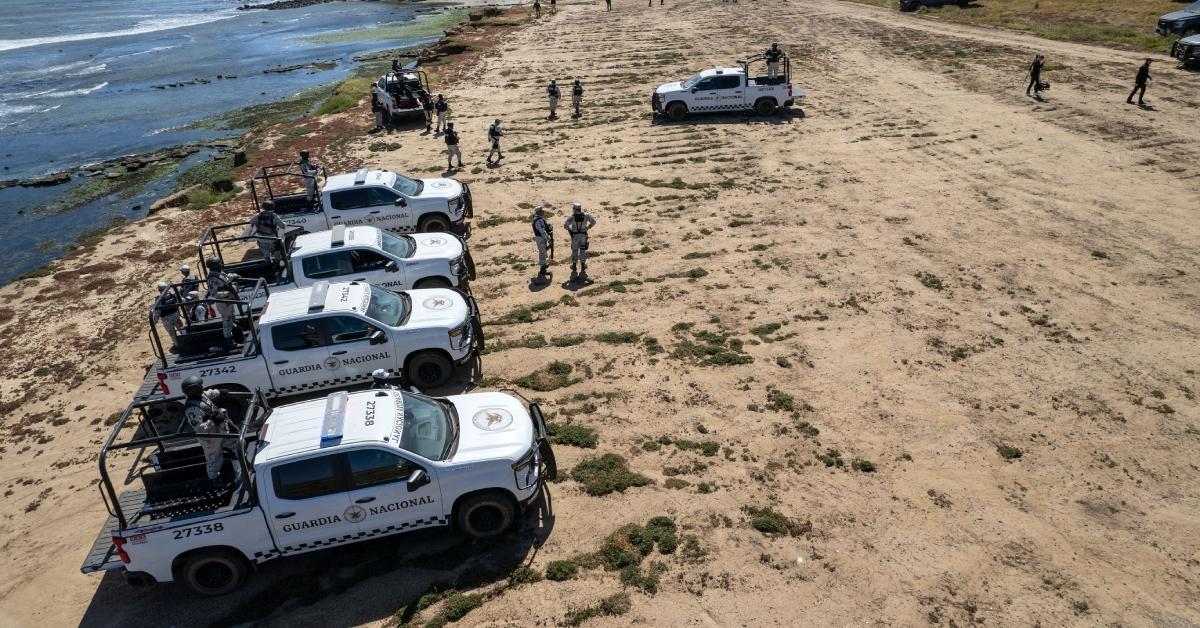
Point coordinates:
pixel 726 89
pixel 313 475
pixel 1184 22
pixel 379 198
pixel 325 336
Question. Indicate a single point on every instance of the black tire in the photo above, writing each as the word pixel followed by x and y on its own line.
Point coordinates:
pixel 765 107
pixel 676 111
pixel 433 282
pixel 213 572
pixel 908 5
pixel 429 369
pixel 485 515
pixel 433 222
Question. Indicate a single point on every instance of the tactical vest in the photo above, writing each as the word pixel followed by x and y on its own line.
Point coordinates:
pixel 537 233
pixel 580 221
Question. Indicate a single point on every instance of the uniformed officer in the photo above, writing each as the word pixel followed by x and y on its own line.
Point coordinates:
pixel 543 237
pixel 204 416
pixel 578 224
pixel 452 149
pixel 309 171
pixel 168 311
pixel 427 106
pixel 773 55
pixel 189 283
pixel 441 106
pixel 267 230
pixel 577 97
pixel 197 312
pixel 221 286
pixel 494 135
pixel 552 92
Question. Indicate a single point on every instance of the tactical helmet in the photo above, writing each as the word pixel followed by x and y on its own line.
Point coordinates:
pixel 576 207
pixel 185 269
pixel 193 387
pixel 214 264
pixel 539 209
pixel 162 285
pixel 303 154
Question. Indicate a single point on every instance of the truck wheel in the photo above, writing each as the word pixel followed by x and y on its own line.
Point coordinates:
pixel 486 515
pixel 212 572
pixel 433 282
pixel 429 369
pixel 433 222
pixel 764 107
pixel 676 111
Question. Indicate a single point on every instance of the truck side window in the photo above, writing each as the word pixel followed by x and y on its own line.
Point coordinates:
pixel 348 329
pixel 350 199
pixel 366 260
pixel 372 467
pixel 306 479
pixel 382 196
pixel 707 84
pixel 327 265
pixel 726 82
pixel 296 336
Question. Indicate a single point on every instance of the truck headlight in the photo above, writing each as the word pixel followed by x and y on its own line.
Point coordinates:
pixel 455 204
pixel 456 265
pixel 525 470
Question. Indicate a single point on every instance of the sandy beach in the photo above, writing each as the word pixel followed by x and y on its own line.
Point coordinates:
pixel 948 332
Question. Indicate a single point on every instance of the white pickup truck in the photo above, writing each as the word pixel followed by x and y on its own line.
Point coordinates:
pixel 325 336
pixel 313 475
pixel 380 198
pixel 399 93
pixel 367 254
pixel 726 89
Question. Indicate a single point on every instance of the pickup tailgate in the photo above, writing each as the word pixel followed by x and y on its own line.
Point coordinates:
pixel 103 556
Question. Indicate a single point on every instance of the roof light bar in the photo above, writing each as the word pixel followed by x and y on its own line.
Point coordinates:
pixel 316 300
pixel 339 236
pixel 360 177
pixel 335 416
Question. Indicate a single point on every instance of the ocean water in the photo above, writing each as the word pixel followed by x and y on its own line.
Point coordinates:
pixel 78 77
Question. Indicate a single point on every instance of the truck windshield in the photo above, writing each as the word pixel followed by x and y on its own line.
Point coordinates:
pixel 389 308
pixel 692 81
pixel 428 428
pixel 407 186
pixel 399 246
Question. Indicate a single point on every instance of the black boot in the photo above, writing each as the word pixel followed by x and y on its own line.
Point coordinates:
pixel 583 271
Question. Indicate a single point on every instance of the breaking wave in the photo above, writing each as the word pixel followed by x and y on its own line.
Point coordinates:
pixel 145 26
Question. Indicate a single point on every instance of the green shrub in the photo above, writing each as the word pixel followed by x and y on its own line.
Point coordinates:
pixel 607 473
pixel 573 435
pixel 560 570
pixel 337 104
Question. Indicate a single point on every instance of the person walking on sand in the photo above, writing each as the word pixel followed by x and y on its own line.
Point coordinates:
pixel 427 106
pixel 452 149
pixel 609 3
pixel 543 238
pixel 552 93
pixel 537 8
pixel 441 106
pixel 494 135
pixel 1035 77
pixel 1143 77
pixel 578 224
pixel 553 7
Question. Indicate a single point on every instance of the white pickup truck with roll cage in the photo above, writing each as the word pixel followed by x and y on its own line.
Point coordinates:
pixel 321 337
pixel 727 89
pixel 367 254
pixel 381 198
pixel 312 475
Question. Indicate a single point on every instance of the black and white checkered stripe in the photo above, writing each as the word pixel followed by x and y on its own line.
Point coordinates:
pixel 323 383
pixel 350 538
pixel 719 107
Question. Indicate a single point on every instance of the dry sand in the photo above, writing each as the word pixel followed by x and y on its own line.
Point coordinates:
pixel 955 266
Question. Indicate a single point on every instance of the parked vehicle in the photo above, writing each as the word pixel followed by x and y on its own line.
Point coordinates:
pixel 1187 50
pixel 726 89
pixel 913 5
pixel 399 94
pixel 311 475
pixel 1184 22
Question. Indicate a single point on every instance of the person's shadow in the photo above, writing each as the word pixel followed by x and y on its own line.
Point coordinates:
pixel 1145 106
pixel 541 282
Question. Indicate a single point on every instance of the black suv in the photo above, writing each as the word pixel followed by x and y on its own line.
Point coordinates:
pixel 1185 22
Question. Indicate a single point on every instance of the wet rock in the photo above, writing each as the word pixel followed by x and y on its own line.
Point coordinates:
pixel 58 178
pixel 7 183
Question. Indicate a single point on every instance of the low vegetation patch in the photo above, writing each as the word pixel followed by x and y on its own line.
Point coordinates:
pixel 1009 452
pixel 553 376
pixel 769 521
pixel 611 606
pixel 605 474
pixel 711 349
pixel 560 570
pixel 573 435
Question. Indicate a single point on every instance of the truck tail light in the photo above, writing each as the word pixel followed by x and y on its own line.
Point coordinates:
pixel 789 90
pixel 119 543
pixel 162 384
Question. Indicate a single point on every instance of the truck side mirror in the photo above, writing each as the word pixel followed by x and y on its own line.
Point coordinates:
pixel 377 337
pixel 695 89
pixel 417 479
pixel 391 266
pixel 400 202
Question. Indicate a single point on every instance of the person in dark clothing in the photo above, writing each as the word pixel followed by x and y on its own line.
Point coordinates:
pixel 1035 77
pixel 1139 87
pixel 553 6
pixel 537 8
pixel 442 107
pixel 452 149
pixel 773 55
pixel 577 97
pixel 609 3
pixel 494 135
pixel 553 93
pixel 427 105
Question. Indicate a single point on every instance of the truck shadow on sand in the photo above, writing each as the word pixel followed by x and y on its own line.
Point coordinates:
pixel 783 116
pixel 371 580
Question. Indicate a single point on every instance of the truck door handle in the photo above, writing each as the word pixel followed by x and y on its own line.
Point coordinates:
pixel 280 362
pixel 285 515
pixel 365 500
pixel 339 352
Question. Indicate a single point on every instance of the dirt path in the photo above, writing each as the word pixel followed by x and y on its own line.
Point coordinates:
pixel 924 267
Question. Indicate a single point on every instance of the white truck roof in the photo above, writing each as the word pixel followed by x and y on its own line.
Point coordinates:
pixel 323 241
pixel 720 71
pixel 337 420
pixel 347 296
pixel 365 176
